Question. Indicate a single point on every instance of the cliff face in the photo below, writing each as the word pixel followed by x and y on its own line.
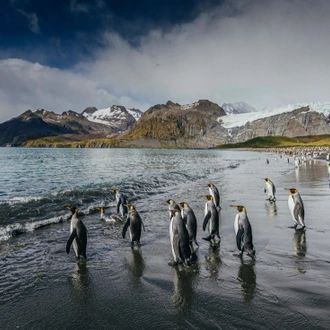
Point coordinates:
pixel 195 125
pixel 300 122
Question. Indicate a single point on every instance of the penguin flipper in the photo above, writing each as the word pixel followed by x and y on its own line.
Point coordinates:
pixel 298 212
pixel 206 220
pixel 176 248
pixel 118 206
pixel 125 227
pixel 70 240
pixel 239 238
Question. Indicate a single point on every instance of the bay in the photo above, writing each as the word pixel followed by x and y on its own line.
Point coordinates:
pixel 41 287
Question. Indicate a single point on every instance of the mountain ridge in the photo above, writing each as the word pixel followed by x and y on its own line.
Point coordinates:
pixel 202 124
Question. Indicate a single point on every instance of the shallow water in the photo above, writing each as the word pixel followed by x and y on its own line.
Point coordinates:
pixel 41 287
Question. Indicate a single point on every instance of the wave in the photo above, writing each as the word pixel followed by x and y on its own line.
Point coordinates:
pixel 16 229
pixel 24 214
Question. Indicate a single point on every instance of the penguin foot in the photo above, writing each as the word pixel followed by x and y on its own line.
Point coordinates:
pixel 252 255
pixel 293 227
pixel 207 238
pixel 173 263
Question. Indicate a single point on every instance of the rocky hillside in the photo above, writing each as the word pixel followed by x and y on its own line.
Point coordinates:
pixel 194 125
pixel 42 123
pixel 72 126
pixel 299 122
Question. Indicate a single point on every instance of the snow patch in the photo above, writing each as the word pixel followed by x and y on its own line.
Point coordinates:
pixel 236 120
pixel 189 106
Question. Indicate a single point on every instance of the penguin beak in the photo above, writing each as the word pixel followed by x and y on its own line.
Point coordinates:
pixel 234 206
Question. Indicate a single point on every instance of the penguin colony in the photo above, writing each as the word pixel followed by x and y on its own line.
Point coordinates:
pixel 183 223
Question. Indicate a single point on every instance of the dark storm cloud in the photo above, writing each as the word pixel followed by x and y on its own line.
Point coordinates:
pixel 133 53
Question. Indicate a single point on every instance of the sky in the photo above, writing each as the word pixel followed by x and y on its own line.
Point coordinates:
pixel 64 55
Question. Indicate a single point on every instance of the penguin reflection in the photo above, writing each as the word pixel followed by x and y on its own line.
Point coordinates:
pixel 184 282
pixel 271 209
pixel 247 278
pixel 80 281
pixel 299 241
pixel 213 260
pixel 136 263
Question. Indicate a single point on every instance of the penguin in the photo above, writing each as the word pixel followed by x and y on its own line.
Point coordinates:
pixel 212 218
pixel 172 206
pixel 214 192
pixel 296 207
pixel 190 221
pixel 243 232
pixel 135 224
pixel 329 171
pixel 270 189
pixel 113 217
pixel 179 239
pixel 121 203
pixel 78 235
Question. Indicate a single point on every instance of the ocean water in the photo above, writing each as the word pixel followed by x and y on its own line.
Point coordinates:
pixel 287 286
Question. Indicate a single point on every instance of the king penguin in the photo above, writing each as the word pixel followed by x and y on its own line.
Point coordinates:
pixel 270 189
pixel 190 221
pixel 212 218
pixel 214 192
pixel 179 239
pixel 135 224
pixel 172 206
pixel 78 235
pixel 121 202
pixel 112 218
pixel 296 207
pixel 243 231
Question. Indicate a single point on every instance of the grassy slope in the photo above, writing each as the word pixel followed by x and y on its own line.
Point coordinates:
pixel 281 142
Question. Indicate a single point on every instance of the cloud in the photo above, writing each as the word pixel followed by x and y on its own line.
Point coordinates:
pixel 267 53
pixel 26 85
pixel 33 22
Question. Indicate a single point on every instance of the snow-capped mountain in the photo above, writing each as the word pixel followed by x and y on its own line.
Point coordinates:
pixel 237 107
pixel 118 117
pixel 240 119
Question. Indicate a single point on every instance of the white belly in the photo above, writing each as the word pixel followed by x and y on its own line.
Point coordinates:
pixel 291 207
pixel 171 238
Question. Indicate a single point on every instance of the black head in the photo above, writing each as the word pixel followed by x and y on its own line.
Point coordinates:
pixel 292 190
pixel 72 209
pixel 240 208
